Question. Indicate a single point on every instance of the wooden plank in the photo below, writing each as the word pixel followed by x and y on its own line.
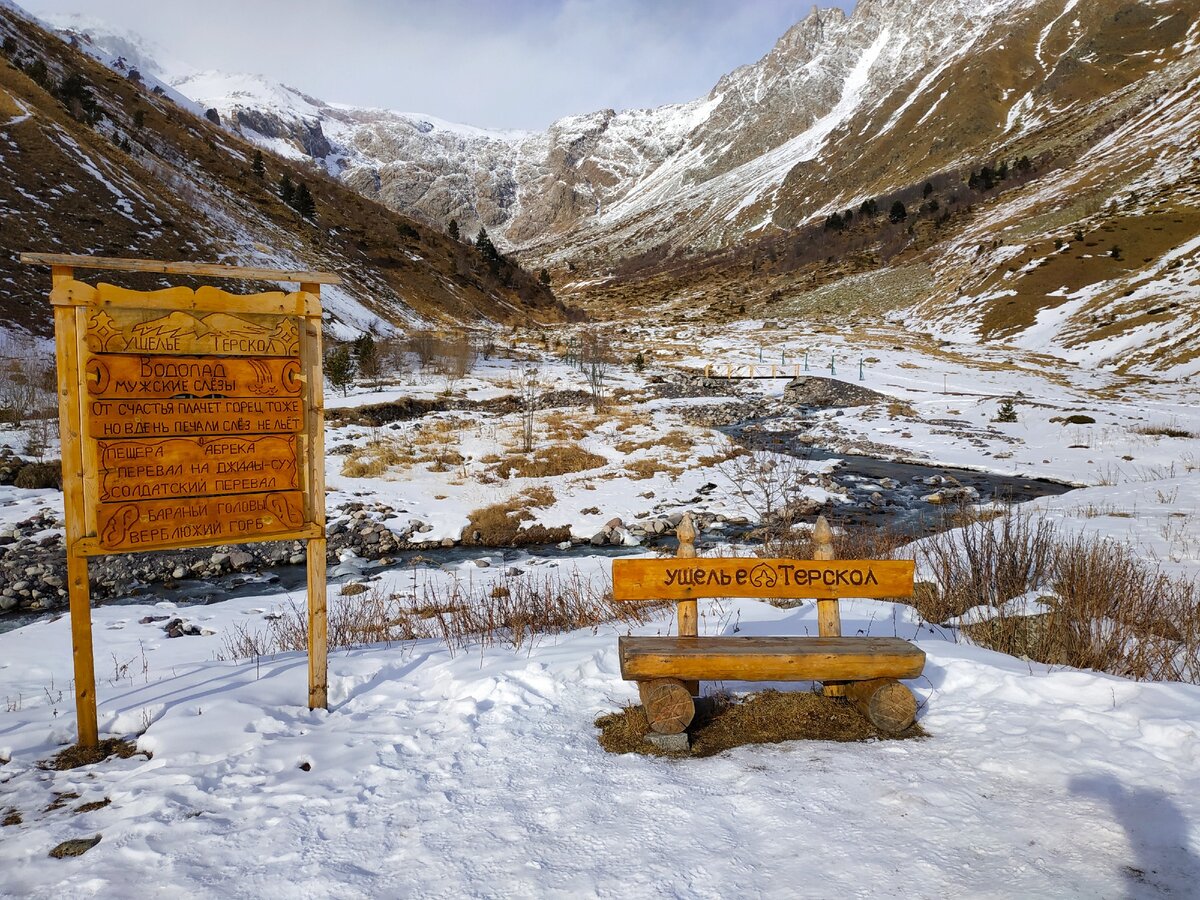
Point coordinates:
pixel 314 494
pixel 674 579
pixel 152 524
pixel 769 658
pixel 184 418
pixel 160 331
pixel 90 546
pixel 147 468
pixel 204 299
pixel 162 267
pixel 71 440
pixel 161 377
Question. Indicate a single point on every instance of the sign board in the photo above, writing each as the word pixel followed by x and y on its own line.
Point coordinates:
pixel 189 418
pixel 689 579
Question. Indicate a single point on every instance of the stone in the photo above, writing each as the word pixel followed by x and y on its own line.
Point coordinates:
pixel 448 542
pixel 671 743
pixel 483 563
pixel 239 559
pixel 614 523
pixel 563 545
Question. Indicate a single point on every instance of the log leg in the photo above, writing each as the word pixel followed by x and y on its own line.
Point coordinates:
pixel 889 705
pixel 668 704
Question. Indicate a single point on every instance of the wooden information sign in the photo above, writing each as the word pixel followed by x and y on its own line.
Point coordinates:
pixel 189 418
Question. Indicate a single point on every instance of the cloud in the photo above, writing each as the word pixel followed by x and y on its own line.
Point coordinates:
pixel 500 64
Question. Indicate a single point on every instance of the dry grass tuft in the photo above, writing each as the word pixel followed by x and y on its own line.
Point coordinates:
pixel 12 817
pixel 75 756
pixel 765 717
pixel 1172 430
pixel 503 524
pixel 511 612
pixel 641 469
pixel 557 459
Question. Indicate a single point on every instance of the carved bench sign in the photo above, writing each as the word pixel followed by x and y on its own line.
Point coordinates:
pixel 685 579
pixel 189 418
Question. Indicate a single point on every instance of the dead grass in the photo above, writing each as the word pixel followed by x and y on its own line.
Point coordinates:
pixel 1098 603
pixel 503 524
pixel 12 817
pixel 676 440
pixel 75 756
pixel 765 717
pixel 548 462
pixel 509 612
pixel 641 469
pixel 1172 430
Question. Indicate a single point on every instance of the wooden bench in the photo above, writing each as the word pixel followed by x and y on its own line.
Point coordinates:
pixel 862 669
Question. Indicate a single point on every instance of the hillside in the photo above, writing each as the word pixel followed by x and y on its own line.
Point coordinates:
pixel 99 161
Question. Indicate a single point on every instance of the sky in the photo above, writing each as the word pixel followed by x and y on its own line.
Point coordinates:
pixel 490 63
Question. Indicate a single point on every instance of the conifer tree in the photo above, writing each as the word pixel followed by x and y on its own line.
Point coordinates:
pixel 898 213
pixel 928 189
pixel 486 248
pixel 304 203
pixel 258 168
pixel 452 229
pixel 287 190
pixel 339 368
pixel 544 278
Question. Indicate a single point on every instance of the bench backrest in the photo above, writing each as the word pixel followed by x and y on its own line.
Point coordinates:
pixel 690 579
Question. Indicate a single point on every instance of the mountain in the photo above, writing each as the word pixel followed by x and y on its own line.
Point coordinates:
pixel 1040 149
pixel 97 158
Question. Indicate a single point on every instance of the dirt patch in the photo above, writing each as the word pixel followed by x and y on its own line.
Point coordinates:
pixel 765 717
pixel 12 817
pixel 75 756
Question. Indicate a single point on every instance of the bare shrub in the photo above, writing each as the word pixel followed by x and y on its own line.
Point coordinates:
pixel 530 391
pixel 512 612
pixel 455 359
pixel 770 484
pixel 596 357
pixel 28 384
pixel 1082 601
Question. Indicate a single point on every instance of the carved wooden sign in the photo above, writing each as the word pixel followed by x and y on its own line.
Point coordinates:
pixel 194 420
pixel 686 579
pixel 188 418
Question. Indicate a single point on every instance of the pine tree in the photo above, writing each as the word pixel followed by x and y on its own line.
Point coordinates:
pixel 1007 411
pixel 544 278
pixel 898 213
pixel 486 248
pixel 287 190
pixel 452 229
pixel 928 189
pixel 339 368
pixel 139 118
pixel 639 361
pixel 834 222
pixel 869 207
pixel 258 168
pixel 304 203
pixel 366 358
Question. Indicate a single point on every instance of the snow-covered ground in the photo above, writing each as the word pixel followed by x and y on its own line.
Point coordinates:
pixel 476 772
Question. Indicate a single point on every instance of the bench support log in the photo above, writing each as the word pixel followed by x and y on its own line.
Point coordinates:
pixel 888 704
pixel 668 704
pixel 829 616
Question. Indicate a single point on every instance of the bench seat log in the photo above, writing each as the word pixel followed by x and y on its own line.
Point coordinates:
pixel 769 658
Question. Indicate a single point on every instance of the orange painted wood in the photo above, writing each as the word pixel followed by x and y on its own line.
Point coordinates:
pixel 148 468
pixel 110 298
pixel 184 418
pixel 158 331
pixel 209 270
pixel 150 524
pixel 768 658
pixel 160 377
pixel 677 579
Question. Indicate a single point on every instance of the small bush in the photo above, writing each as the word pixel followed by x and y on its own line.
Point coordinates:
pixel 1007 411
pixel 39 475
pixel 1173 431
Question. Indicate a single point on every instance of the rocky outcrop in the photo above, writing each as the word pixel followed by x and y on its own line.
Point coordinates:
pixel 816 392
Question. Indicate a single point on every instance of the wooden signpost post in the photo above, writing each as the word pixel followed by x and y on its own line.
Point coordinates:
pixel 188 418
